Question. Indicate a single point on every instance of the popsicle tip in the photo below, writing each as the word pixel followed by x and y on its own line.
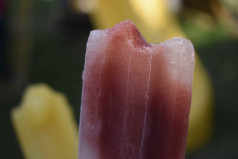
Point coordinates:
pixel 128 30
pixel 183 43
pixel 126 23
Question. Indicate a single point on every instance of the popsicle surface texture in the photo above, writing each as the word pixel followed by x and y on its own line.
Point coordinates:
pixel 136 96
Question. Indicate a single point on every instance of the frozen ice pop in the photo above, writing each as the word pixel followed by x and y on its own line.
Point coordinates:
pixel 136 96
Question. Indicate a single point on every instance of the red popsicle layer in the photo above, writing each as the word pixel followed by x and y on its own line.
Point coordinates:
pixel 136 96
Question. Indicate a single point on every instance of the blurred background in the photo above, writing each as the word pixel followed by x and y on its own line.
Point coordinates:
pixel 43 41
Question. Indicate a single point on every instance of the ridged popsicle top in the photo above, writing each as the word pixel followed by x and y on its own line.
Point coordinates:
pixel 178 51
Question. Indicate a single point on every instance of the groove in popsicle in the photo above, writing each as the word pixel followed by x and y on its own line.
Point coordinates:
pixel 146 107
pixel 127 95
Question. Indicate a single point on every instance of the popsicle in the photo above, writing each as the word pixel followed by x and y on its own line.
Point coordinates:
pixel 45 125
pixel 136 96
